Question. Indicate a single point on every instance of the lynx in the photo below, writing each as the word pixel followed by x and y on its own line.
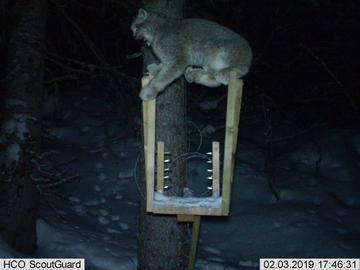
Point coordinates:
pixel 202 50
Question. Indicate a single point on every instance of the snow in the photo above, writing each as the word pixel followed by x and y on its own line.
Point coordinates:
pixel 96 217
pixel 17 126
pixel 172 201
pixel 72 243
pixel 12 154
pixel 14 127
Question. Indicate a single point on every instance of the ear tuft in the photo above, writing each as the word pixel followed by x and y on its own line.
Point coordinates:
pixel 142 13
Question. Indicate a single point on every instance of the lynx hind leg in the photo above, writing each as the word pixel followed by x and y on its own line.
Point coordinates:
pixel 222 76
pixel 148 93
pixel 153 69
pixel 200 76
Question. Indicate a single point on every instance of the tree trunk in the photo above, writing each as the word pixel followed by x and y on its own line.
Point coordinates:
pixel 162 241
pixel 20 134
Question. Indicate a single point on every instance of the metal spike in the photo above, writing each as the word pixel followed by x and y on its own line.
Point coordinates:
pixel 167 170
pixel 167 161
pixel 166 187
pixel 209 188
pixel 209 170
pixel 209 178
pixel 209 153
pixel 209 161
pixel 167 177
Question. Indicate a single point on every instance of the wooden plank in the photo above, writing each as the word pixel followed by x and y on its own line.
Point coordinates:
pixel 149 118
pixel 160 167
pixel 194 242
pixel 216 169
pixel 144 81
pixel 150 166
pixel 237 112
pixel 185 218
pixel 231 133
pixel 173 210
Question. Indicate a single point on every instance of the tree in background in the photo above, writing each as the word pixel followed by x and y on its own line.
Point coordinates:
pixel 21 129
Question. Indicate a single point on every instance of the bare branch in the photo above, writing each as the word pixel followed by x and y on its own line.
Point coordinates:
pixel 348 96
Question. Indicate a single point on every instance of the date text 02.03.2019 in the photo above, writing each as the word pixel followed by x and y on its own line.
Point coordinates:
pixel 309 264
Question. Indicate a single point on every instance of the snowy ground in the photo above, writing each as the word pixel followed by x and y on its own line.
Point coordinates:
pixel 96 217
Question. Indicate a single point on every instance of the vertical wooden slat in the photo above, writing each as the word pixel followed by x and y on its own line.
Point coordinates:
pixel 144 81
pixel 232 121
pixel 185 218
pixel 194 242
pixel 160 167
pixel 216 169
pixel 149 118
pixel 237 112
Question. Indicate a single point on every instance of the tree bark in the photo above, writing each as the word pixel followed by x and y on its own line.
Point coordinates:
pixel 162 240
pixel 20 134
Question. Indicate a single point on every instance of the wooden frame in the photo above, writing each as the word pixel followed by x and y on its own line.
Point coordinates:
pixel 219 203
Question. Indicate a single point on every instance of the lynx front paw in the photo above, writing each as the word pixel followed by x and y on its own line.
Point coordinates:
pixel 154 69
pixel 147 93
pixel 190 74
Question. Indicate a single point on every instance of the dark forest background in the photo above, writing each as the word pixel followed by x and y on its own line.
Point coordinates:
pixel 305 69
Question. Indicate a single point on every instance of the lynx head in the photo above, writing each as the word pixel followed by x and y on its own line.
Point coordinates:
pixel 144 26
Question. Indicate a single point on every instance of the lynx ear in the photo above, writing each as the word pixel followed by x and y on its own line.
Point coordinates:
pixel 142 14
